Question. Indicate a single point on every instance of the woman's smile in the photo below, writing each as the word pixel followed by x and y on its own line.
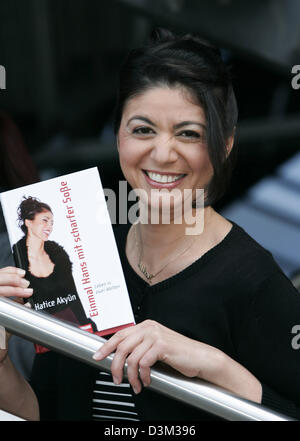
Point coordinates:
pixel 162 144
pixel 157 179
pixel 41 226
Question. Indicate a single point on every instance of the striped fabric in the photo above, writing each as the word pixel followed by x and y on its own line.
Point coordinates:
pixel 111 401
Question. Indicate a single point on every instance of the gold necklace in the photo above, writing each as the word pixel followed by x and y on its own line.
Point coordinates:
pixel 142 267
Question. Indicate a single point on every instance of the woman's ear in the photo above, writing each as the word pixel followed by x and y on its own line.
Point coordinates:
pixel 230 142
pixel 27 223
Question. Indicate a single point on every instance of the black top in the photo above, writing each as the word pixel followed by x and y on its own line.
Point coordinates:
pixel 56 293
pixel 235 298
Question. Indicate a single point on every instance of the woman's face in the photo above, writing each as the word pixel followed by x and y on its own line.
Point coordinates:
pixel 41 226
pixel 162 143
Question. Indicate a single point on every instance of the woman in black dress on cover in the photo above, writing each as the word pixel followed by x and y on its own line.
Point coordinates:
pixel 48 267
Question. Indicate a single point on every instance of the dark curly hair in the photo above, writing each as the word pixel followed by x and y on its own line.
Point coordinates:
pixel 171 60
pixel 28 208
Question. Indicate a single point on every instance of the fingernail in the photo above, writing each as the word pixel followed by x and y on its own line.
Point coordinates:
pixel 97 355
pixel 28 305
pixel 116 380
pixel 28 291
pixel 25 283
pixel 135 390
pixel 21 272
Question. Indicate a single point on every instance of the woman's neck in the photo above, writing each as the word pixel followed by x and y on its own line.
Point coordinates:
pixel 158 241
pixel 35 246
pixel 160 251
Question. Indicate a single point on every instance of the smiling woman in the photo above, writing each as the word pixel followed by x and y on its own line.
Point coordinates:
pixel 202 303
pixel 214 305
pixel 195 72
pixel 166 149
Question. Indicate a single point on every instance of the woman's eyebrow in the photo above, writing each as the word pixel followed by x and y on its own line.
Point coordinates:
pixel 141 118
pixel 187 123
pixel 176 126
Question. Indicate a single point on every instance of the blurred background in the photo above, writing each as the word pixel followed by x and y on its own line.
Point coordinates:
pixel 62 59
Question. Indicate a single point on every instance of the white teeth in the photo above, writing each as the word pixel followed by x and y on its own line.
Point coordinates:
pixel 163 178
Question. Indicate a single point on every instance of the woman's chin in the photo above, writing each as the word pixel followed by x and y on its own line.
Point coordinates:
pixel 162 211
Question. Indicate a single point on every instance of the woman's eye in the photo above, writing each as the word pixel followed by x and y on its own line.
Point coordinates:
pixel 190 134
pixel 142 131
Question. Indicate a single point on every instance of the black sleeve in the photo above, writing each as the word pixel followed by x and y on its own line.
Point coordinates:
pixel 63 386
pixel 44 383
pixel 266 344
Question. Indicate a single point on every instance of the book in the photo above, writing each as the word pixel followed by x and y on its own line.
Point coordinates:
pixel 61 235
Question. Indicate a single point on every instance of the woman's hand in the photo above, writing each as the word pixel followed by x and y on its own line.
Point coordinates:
pixel 16 396
pixel 142 345
pixel 13 284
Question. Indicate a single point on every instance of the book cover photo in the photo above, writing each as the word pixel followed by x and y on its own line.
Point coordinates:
pixel 61 235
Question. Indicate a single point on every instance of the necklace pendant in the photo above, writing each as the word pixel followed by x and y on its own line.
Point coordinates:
pixel 143 269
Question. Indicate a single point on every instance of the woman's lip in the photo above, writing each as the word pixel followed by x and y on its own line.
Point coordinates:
pixel 159 185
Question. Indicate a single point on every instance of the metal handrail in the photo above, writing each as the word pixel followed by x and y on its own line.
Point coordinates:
pixel 76 343
pixel 6 416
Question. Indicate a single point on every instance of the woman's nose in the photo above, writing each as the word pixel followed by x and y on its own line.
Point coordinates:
pixel 164 150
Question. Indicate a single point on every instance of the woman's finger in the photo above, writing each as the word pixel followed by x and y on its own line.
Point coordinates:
pixel 124 348
pixel 12 291
pixel 111 345
pixel 133 364
pixel 13 270
pixel 13 279
pixel 149 359
pixel 12 283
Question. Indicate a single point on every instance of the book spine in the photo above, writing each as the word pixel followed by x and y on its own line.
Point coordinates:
pixel 7 216
pixel 17 257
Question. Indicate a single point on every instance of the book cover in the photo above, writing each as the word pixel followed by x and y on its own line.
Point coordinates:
pixel 61 235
